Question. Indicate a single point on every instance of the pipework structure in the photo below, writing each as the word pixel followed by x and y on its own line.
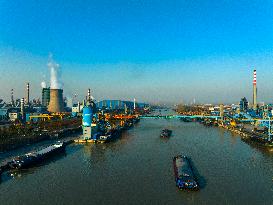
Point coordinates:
pixel 254 90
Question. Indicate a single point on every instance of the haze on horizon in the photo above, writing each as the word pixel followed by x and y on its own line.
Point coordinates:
pixel 155 51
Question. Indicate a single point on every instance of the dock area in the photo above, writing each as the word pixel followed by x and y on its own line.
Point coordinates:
pixel 246 131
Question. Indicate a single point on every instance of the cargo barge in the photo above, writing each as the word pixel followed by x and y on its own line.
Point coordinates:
pixel 32 158
pixel 166 133
pixel 110 135
pixel 183 172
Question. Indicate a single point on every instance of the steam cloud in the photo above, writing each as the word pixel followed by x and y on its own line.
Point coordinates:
pixel 55 74
pixel 43 84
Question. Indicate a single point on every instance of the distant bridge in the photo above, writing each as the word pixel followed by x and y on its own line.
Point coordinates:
pixel 177 116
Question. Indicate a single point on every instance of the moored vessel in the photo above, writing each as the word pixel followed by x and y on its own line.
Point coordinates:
pixel 33 158
pixel 110 135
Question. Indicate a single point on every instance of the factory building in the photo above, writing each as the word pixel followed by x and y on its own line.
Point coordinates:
pixel 14 114
pixel 119 104
pixel 243 105
pixel 3 113
pixel 45 96
pixel 111 104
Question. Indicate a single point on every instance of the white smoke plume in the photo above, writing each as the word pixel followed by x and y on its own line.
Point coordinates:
pixel 55 74
pixel 43 84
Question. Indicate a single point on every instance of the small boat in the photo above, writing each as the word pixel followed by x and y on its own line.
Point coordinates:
pixel 110 135
pixel 33 158
pixel 166 133
pixel 184 176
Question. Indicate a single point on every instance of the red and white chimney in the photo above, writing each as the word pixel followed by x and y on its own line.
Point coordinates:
pixel 254 90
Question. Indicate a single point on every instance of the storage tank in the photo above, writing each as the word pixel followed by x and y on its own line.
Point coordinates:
pixel 87 115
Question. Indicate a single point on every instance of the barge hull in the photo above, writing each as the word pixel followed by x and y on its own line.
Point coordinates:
pixel 184 176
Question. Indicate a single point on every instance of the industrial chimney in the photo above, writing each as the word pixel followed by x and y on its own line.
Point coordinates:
pixel 222 111
pixel 56 103
pixel 12 99
pixel 134 104
pixel 27 97
pixel 254 90
pixel 22 107
pixel 89 96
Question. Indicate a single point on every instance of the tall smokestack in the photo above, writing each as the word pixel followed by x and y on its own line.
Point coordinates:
pixel 254 90
pixel 22 107
pixel 56 103
pixel 12 99
pixel 134 103
pixel 222 111
pixel 79 107
pixel 89 96
pixel 27 98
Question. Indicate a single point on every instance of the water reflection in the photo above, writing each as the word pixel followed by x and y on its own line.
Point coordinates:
pixel 19 173
pixel 137 169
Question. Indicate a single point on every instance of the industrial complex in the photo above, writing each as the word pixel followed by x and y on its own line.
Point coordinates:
pixel 26 121
pixel 101 121
pixel 23 121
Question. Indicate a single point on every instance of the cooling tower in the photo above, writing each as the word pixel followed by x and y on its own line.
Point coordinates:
pixel 56 103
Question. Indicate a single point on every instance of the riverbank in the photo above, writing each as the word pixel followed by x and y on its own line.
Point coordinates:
pixel 20 135
pixel 246 134
pixel 229 170
pixel 14 143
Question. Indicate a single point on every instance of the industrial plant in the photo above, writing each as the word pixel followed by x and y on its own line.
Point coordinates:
pixel 86 122
pixel 28 121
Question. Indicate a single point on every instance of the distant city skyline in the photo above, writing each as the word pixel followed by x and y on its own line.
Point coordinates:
pixel 154 51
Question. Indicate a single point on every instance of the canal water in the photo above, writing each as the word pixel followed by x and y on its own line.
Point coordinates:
pixel 137 169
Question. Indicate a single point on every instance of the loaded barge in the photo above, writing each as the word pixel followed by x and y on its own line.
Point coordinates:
pixel 166 133
pixel 110 135
pixel 32 158
pixel 184 176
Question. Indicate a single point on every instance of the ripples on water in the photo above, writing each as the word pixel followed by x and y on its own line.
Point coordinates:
pixel 137 169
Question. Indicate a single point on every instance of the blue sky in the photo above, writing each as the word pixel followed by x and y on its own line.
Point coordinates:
pixel 166 51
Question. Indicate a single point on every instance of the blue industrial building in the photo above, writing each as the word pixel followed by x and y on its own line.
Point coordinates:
pixel 119 104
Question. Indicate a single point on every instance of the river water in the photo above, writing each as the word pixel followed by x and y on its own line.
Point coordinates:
pixel 137 169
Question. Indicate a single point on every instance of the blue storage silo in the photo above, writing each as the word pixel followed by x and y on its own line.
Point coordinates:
pixel 27 117
pixel 87 116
